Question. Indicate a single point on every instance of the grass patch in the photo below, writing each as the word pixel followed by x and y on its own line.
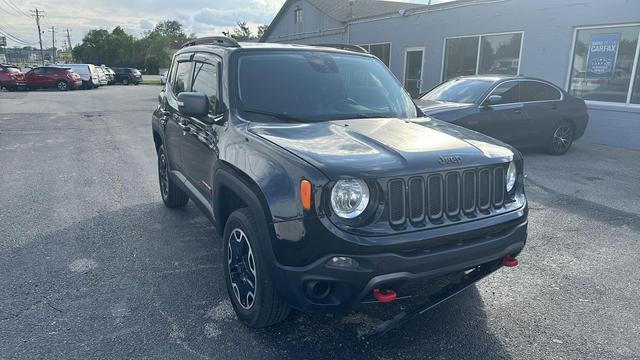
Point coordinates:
pixel 150 82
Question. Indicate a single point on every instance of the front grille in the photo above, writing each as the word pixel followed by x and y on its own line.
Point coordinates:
pixel 397 203
pixel 454 196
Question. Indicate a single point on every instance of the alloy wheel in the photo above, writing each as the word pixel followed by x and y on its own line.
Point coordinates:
pixel 242 268
pixel 62 86
pixel 562 138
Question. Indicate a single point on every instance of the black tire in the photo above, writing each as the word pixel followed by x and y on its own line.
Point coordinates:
pixel 136 83
pixel 561 138
pixel 172 196
pixel 62 85
pixel 266 308
pixel 11 88
pixel 125 81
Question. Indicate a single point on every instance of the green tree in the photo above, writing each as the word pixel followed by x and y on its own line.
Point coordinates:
pixel 261 30
pixel 117 48
pixel 242 32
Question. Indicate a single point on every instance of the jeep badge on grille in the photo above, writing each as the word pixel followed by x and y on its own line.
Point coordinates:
pixel 446 160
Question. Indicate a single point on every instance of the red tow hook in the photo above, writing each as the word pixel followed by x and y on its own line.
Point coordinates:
pixel 388 296
pixel 509 261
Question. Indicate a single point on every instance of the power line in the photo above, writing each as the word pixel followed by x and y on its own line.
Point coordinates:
pixel 12 37
pixel 14 6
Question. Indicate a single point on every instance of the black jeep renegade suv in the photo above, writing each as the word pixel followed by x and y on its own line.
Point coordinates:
pixel 328 186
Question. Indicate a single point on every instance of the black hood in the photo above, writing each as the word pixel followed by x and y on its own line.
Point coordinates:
pixel 383 147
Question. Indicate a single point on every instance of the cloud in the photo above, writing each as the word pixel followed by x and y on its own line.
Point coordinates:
pixel 204 17
pixel 146 24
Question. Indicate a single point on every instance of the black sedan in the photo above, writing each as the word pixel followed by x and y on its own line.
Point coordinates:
pixel 521 111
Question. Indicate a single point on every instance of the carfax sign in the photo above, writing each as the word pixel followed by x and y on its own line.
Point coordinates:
pixel 603 51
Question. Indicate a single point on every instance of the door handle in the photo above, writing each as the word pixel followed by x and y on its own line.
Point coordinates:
pixel 517 111
pixel 185 127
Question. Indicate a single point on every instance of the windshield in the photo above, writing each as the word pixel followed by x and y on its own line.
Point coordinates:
pixel 319 86
pixel 13 70
pixel 459 90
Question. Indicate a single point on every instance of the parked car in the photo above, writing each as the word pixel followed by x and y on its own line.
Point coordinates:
pixel 62 78
pixel 163 77
pixel 87 73
pixel 102 76
pixel 111 75
pixel 127 76
pixel 521 111
pixel 11 78
pixel 326 185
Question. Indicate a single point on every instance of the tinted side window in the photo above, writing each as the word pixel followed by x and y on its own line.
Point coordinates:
pixel 38 71
pixel 537 91
pixel 510 92
pixel 51 71
pixel 205 80
pixel 181 79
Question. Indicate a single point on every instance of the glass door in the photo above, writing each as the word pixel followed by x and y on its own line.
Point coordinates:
pixel 413 71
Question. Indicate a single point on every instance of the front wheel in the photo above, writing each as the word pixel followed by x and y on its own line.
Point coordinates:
pixel 172 195
pixel 561 138
pixel 249 283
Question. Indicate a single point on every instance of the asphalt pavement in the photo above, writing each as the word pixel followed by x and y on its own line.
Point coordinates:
pixel 92 265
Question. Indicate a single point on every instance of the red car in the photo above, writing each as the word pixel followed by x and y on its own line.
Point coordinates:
pixel 52 76
pixel 11 78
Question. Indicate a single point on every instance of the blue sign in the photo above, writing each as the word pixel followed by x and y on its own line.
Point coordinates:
pixel 602 55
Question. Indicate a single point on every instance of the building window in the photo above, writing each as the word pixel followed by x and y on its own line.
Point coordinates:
pixel 482 54
pixel 297 16
pixel 603 64
pixel 381 51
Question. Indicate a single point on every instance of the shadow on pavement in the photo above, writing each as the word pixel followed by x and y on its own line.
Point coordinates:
pixel 146 281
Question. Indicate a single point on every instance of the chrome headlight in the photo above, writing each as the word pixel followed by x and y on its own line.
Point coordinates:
pixel 512 174
pixel 349 198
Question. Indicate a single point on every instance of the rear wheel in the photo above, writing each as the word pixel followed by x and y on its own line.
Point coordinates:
pixel 249 283
pixel 11 88
pixel 172 195
pixel 62 85
pixel 125 81
pixel 561 138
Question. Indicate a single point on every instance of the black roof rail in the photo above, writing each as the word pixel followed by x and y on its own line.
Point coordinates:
pixel 349 47
pixel 213 40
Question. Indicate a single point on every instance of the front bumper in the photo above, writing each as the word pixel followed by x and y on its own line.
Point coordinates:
pixel 350 286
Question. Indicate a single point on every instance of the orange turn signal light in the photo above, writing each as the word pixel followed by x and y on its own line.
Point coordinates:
pixel 305 194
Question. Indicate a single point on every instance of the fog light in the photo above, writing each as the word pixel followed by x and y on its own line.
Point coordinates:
pixel 342 262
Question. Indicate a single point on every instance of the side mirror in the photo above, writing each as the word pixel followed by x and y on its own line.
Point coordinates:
pixel 193 104
pixel 493 99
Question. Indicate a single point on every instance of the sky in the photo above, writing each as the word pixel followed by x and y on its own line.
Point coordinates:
pixel 204 17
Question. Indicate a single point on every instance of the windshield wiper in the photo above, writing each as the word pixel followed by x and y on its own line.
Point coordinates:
pixel 366 116
pixel 281 116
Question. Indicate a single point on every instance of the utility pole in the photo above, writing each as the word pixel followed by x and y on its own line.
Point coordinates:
pixel 69 41
pixel 38 14
pixel 53 43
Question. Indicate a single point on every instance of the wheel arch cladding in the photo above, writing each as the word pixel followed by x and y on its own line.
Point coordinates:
pixel 157 139
pixel 233 190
